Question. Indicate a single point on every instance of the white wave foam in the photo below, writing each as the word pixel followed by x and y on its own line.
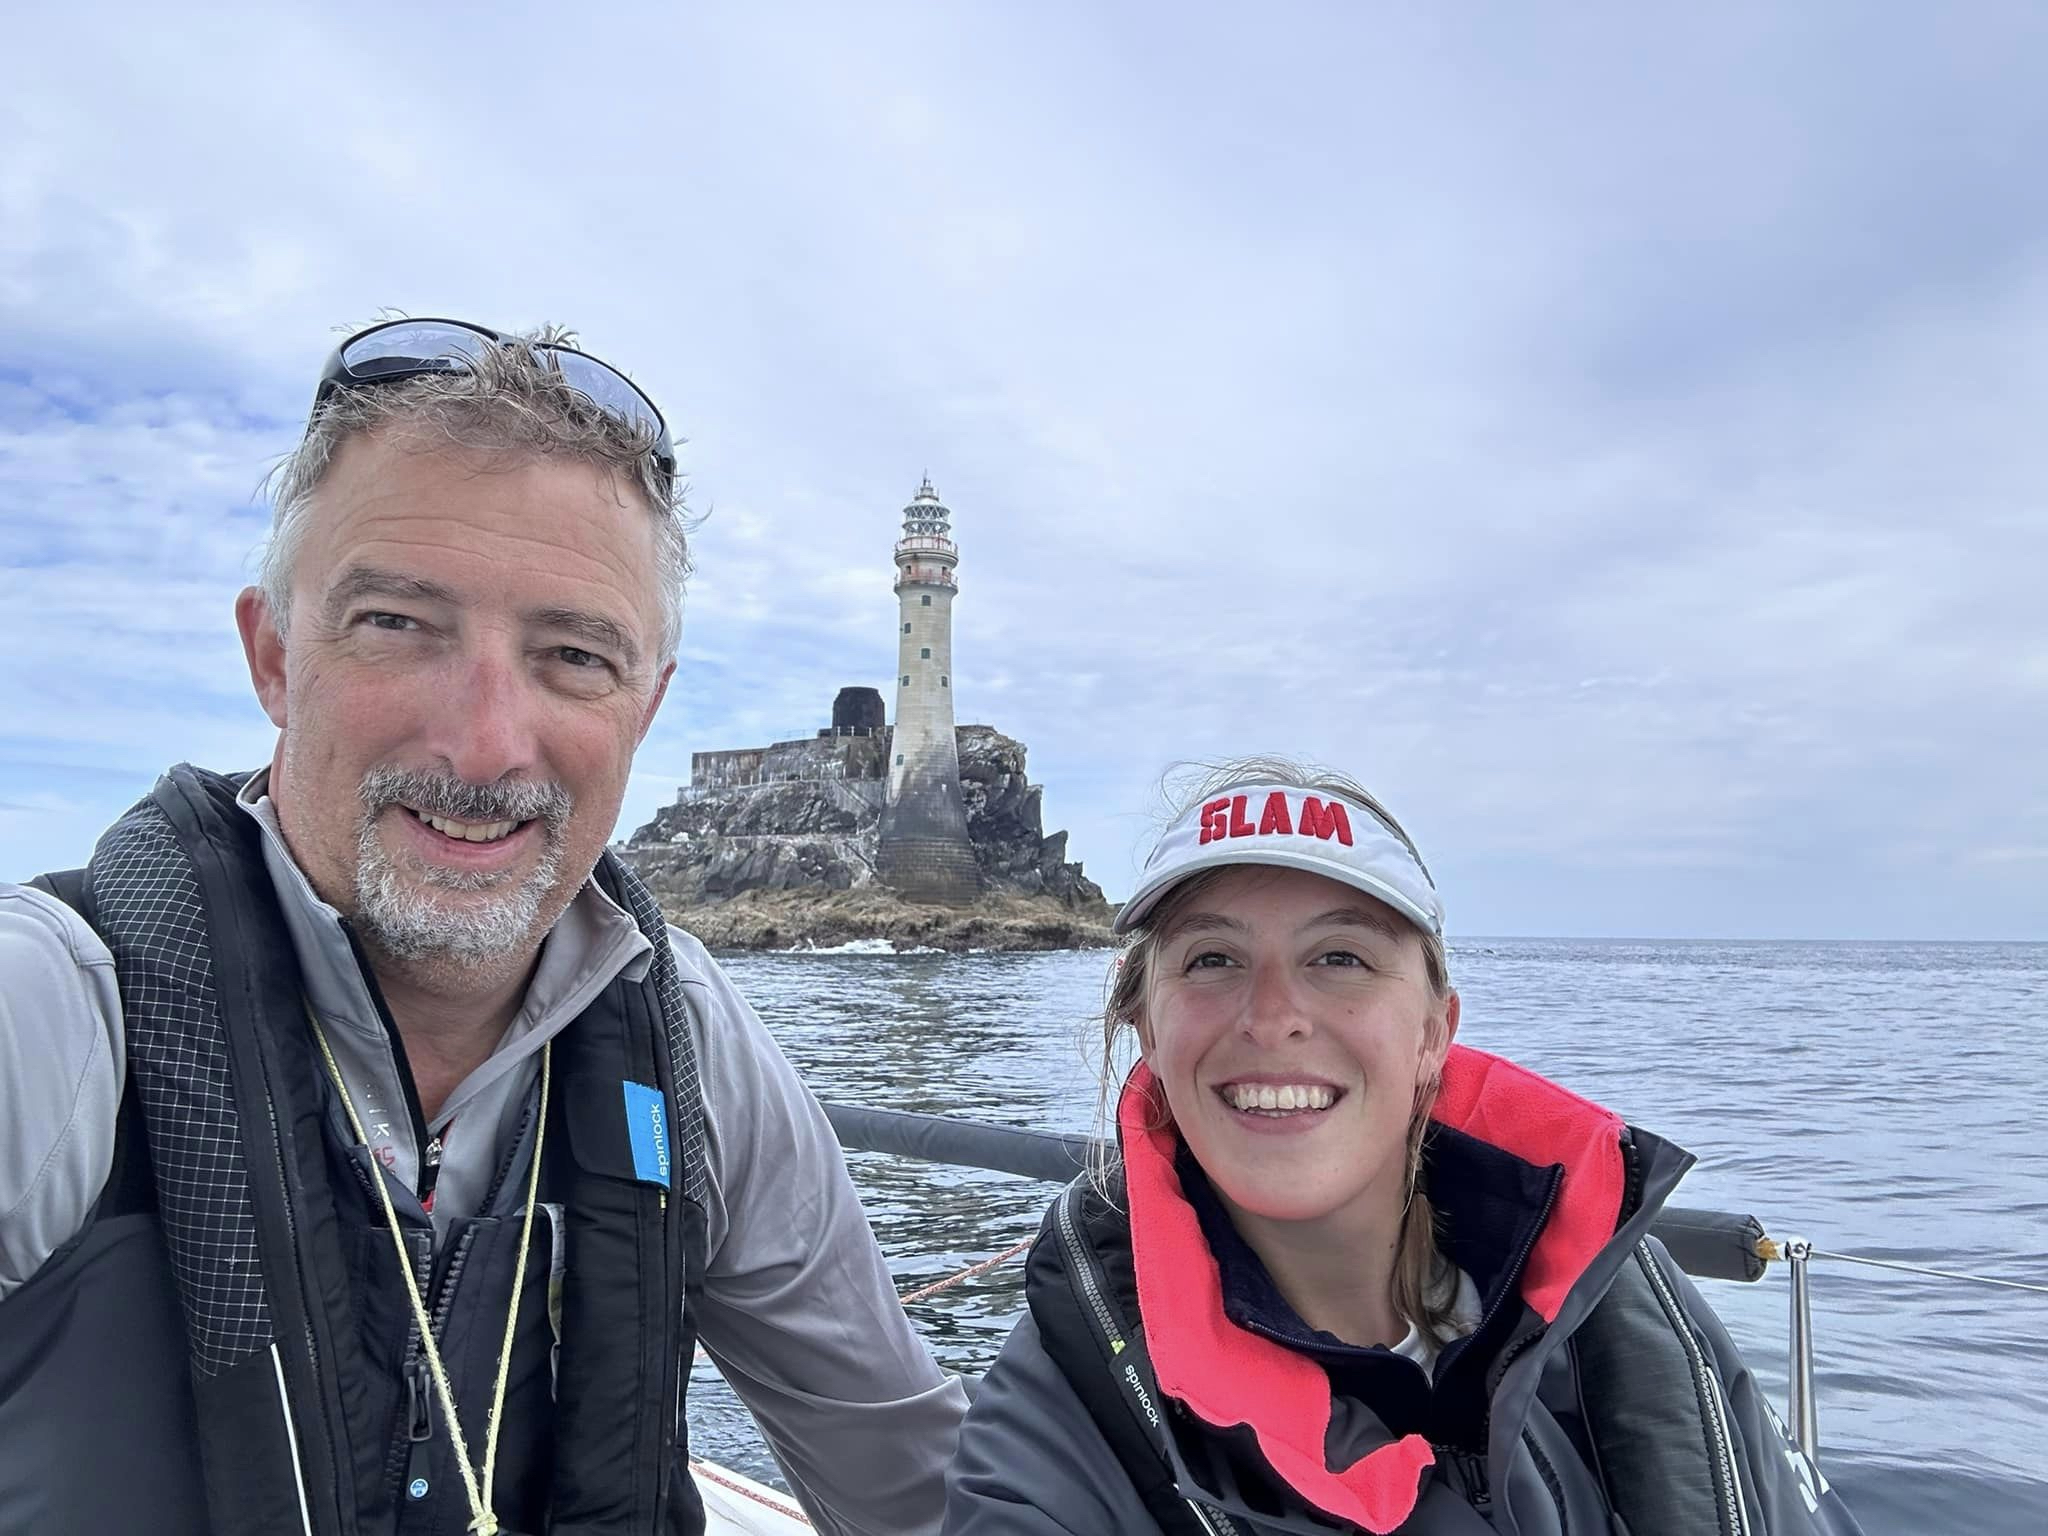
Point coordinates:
pixel 859 947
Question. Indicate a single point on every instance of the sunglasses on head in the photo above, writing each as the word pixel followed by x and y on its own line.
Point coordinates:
pixel 407 349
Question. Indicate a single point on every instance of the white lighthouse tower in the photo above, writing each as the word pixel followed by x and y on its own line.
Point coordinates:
pixel 924 851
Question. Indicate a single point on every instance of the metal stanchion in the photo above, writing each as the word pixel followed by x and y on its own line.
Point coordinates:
pixel 1797 1251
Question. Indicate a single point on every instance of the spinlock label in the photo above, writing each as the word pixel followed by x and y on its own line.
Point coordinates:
pixel 647 1130
pixel 1144 1398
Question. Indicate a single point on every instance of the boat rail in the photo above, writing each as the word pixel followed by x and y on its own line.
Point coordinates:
pixel 1714 1245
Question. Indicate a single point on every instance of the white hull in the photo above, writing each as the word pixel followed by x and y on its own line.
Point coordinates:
pixel 735 1505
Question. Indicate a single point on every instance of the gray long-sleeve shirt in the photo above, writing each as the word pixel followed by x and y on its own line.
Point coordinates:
pixel 798 1309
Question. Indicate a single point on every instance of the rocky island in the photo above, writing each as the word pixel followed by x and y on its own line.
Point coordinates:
pixel 923 833
pixel 791 860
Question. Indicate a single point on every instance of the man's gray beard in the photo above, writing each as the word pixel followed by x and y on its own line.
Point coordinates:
pixel 396 909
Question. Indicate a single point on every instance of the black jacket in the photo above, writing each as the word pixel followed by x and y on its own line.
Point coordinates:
pixel 227 1349
pixel 1160 1383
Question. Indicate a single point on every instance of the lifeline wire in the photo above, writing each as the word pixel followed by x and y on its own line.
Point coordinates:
pixel 1939 1274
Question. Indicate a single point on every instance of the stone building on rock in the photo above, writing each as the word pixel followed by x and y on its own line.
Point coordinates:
pixel 933 811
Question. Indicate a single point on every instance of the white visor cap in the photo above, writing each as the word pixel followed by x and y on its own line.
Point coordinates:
pixel 1289 828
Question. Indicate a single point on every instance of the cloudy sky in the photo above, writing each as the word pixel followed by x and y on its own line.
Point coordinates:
pixel 1620 438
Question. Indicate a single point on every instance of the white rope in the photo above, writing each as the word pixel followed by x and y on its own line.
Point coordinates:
pixel 1939 1274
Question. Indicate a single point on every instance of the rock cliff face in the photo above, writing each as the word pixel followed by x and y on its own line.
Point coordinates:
pixel 712 845
pixel 731 862
pixel 1004 823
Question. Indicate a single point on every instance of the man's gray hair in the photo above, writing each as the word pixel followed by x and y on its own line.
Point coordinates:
pixel 510 400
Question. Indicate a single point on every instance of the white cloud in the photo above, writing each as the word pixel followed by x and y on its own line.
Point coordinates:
pixel 1633 472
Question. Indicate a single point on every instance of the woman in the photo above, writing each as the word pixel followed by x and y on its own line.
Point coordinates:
pixel 1345 1273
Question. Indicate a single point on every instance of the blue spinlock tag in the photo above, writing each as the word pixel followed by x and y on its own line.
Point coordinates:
pixel 647 1129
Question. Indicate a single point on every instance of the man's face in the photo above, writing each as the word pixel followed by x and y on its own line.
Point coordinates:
pixel 473 658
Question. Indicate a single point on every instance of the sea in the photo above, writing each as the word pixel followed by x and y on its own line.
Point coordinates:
pixel 1879 1099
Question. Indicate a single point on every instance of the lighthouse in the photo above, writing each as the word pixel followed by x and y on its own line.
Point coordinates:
pixel 923 851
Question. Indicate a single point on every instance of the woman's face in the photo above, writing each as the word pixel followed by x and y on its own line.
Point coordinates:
pixel 1290 1021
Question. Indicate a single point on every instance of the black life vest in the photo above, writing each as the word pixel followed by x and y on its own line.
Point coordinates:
pixel 1652 1461
pixel 227 1348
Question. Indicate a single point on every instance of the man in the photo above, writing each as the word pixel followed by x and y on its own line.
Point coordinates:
pixel 372 1154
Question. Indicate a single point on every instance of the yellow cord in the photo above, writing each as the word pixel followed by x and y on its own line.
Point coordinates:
pixel 483 1522
pixel 518 1285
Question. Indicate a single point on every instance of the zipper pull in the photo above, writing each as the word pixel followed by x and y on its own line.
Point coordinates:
pixel 1481 1493
pixel 430 1171
pixel 1467 1472
pixel 419 1429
